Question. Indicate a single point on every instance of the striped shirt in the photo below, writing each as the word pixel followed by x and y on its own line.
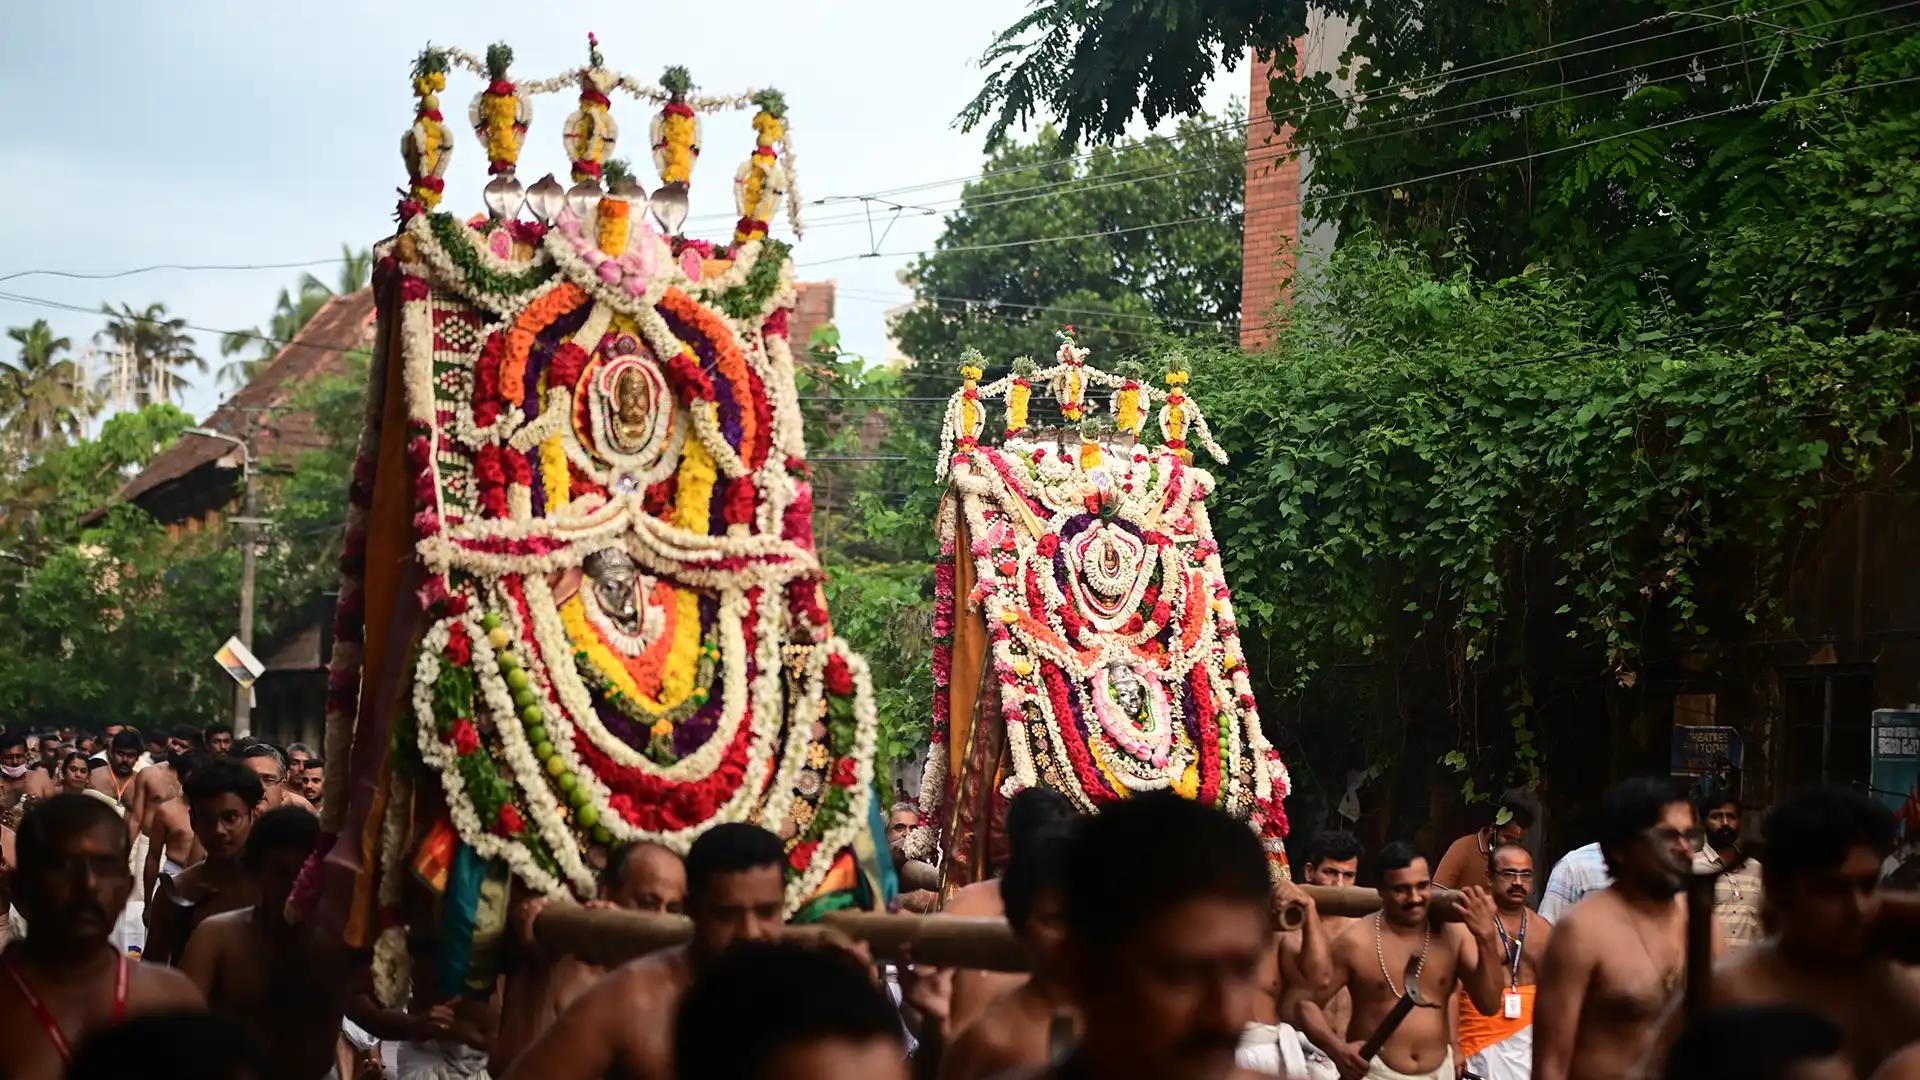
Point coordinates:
pixel 1579 872
pixel 1736 897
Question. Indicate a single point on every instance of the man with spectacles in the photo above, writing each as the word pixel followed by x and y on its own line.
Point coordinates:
pixel 1499 1046
pixel 265 762
pixel 1619 955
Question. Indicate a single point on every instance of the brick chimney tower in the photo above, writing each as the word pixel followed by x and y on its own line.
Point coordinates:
pixel 1271 233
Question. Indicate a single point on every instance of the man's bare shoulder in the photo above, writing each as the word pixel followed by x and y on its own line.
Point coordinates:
pixel 654 980
pixel 157 987
pixel 980 898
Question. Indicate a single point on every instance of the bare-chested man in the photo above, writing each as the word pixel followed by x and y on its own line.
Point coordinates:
pixel 1018 1030
pixel 266 763
pixel 19 778
pixel 218 738
pixel 538 988
pixel 1619 955
pixel 223 800
pixel 287 986
pixel 65 980
pixel 1298 965
pixel 1332 858
pixel 152 786
pixel 116 777
pixel 1375 959
pixel 1824 849
pixel 171 845
pixel 1500 1046
pixel 1027 813
pixel 1465 861
pixel 623 1025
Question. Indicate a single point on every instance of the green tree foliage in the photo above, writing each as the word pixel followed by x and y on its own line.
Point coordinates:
pixel 1618 141
pixel 41 397
pixel 1119 290
pixel 1430 456
pixel 158 348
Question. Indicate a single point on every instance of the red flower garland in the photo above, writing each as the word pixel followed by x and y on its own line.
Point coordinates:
pixel 838 676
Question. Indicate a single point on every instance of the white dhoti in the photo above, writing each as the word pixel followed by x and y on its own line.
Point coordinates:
pixel 1378 1070
pixel 1282 1050
pixel 1509 1059
pixel 440 1061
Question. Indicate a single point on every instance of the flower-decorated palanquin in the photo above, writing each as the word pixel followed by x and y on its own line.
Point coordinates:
pixel 1084 633
pixel 581 544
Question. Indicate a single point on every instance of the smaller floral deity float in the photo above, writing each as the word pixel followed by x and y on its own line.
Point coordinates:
pixel 580 603
pixel 1084 632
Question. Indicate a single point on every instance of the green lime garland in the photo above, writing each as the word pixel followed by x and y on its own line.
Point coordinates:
pixel 749 298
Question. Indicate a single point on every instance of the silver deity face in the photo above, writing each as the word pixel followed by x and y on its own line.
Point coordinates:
pixel 614 576
pixel 1128 692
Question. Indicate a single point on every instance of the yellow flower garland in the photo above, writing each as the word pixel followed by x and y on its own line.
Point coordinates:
pixel 1017 396
pixel 677 134
pixel 502 114
pixel 676 681
pixel 1127 410
pixel 613 226
pixel 554 475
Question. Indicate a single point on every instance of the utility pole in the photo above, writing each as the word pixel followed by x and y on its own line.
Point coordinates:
pixel 249 522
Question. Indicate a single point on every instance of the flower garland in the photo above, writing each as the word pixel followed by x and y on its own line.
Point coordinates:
pixel 391 962
pixel 761 181
pixel 590 133
pixel 676 130
pixel 448 247
pixel 427 146
pixel 500 114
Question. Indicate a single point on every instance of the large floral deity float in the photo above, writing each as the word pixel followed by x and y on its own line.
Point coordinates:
pixel 580 603
pixel 1084 632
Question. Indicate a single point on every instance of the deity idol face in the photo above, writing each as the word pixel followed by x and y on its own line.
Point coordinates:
pixel 632 411
pixel 614 577
pixel 1127 691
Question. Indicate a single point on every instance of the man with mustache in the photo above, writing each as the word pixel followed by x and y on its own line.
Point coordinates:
pixel 115 776
pixel 1737 890
pixel 1834 951
pixel 1376 958
pixel 1499 1046
pixel 1620 954
pixel 1168 915
pixel 623 1025
pixel 64 981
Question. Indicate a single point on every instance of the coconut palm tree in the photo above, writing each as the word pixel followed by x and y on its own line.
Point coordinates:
pixel 41 395
pixel 292 311
pixel 157 346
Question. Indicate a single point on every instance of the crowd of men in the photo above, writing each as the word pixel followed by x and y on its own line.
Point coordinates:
pixel 1152 930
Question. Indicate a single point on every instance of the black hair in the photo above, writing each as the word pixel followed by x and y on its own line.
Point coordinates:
pixel 224 776
pixel 70 755
pixel 1630 808
pixel 1754 1042
pixel 56 817
pixel 316 762
pixel 1038 867
pixel 186 733
pixel 1814 828
pixel 1331 845
pixel 615 872
pixel 729 849
pixel 1521 807
pixel 169 1045
pixel 218 727
pixel 127 739
pixel 286 828
pixel 11 738
pixel 187 764
pixel 1397 855
pixel 1031 810
pixel 795 993
pixel 1198 851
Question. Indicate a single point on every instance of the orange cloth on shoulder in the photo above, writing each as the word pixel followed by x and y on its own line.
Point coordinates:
pixel 1477 1032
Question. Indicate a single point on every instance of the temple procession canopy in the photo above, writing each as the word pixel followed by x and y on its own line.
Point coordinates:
pixel 1084 631
pixel 580 601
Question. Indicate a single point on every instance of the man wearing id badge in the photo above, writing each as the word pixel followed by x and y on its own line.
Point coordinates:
pixel 1500 1047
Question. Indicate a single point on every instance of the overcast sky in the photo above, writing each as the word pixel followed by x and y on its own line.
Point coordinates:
pixel 142 133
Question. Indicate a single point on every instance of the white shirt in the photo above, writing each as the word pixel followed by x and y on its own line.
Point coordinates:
pixel 1579 872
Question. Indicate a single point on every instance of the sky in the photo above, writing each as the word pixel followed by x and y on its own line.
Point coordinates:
pixel 198 133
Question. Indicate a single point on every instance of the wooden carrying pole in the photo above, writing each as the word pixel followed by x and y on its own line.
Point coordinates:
pixel 608 936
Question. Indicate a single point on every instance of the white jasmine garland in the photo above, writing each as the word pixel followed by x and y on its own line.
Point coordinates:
pixel 391 960
pixel 866 725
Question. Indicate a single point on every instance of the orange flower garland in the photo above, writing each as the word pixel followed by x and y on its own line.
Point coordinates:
pixel 538 315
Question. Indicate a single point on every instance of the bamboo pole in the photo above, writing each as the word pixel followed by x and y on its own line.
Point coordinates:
pixel 608 936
